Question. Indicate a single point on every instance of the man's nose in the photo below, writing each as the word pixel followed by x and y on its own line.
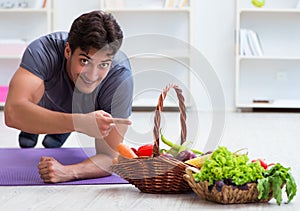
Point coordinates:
pixel 92 74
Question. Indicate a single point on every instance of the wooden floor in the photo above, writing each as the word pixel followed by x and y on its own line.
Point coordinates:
pixel 272 136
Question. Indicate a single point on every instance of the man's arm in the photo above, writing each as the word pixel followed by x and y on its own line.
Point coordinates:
pixel 51 171
pixel 21 109
pixel 22 112
pixel 106 150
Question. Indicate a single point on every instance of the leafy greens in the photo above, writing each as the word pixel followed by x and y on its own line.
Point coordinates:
pixel 273 180
pixel 227 165
pixel 224 164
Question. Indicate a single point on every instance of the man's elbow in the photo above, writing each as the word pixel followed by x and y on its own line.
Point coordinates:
pixel 9 117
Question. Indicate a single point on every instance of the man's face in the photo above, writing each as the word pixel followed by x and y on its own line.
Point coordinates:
pixel 87 70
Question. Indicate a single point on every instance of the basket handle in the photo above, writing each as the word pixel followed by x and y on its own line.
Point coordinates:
pixel 157 117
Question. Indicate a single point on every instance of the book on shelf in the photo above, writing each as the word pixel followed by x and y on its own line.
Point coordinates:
pixel 175 3
pixel 250 44
pixel 39 4
pixel 133 4
pixel 244 47
pixel 255 44
pixel 144 4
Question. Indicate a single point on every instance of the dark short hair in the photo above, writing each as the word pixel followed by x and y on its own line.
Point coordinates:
pixel 95 29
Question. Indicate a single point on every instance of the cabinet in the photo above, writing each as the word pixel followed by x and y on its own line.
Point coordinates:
pixel 20 23
pixel 270 80
pixel 157 41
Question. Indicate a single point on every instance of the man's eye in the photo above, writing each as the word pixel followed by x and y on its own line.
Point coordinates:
pixel 104 65
pixel 84 61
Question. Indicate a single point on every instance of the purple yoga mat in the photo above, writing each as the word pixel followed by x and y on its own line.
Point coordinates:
pixel 18 167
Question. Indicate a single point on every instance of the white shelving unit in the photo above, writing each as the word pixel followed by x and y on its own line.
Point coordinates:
pixel 157 41
pixel 19 27
pixel 270 80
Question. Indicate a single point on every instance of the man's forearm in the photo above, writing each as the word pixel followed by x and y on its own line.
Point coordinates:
pixel 93 167
pixel 32 118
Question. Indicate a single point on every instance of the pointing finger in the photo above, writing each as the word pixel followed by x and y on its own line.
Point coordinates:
pixel 121 121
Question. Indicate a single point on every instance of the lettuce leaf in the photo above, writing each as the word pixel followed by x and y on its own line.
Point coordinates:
pixel 227 165
pixel 273 181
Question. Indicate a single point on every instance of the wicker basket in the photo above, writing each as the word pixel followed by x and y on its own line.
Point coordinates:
pixel 228 195
pixel 157 174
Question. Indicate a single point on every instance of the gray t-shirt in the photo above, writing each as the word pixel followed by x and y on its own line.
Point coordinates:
pixel 44 58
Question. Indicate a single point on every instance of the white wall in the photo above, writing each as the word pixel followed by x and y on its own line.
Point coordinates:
pixel 65 11
pixel 213 27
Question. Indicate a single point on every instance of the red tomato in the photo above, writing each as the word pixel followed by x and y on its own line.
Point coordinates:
pixel 145 150
pixel 262 163
pixel 134 150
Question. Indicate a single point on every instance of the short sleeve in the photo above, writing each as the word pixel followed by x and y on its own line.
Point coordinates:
pixel 44 54
pixel 32 59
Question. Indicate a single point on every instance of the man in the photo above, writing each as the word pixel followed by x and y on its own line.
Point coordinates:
pixel 76 81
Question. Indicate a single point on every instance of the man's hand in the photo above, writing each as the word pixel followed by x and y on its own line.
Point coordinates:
pixel 51 171
pixel 97 124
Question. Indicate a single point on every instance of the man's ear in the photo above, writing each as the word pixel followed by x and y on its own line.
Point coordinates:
pixel 67 51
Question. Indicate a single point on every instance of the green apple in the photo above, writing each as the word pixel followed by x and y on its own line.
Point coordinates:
pixel 258 3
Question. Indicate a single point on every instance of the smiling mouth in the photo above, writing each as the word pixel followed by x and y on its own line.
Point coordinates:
pixel 87 81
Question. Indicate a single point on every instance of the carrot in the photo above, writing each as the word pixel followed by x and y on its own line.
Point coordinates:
pixel 125 151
